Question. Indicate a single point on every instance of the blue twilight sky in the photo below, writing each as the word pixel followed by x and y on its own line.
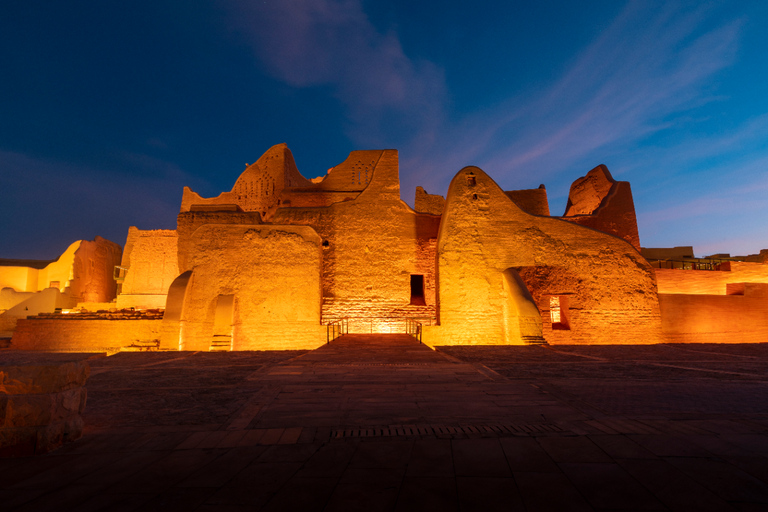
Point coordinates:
pixel 108 108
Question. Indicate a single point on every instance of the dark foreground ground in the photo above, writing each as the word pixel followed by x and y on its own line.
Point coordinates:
pixel 375 422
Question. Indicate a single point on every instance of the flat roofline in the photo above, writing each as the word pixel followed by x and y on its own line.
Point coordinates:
pixel 38 264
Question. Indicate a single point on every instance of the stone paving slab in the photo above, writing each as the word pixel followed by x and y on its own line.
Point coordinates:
pixel 379 422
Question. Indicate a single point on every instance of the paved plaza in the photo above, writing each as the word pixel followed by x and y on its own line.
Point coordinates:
pixel 379 422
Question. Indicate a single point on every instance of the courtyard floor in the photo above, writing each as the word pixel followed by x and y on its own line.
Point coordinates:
pixel 379 422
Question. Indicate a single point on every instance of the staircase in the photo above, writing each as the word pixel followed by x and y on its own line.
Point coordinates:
pixel 221 343
pixel 376 317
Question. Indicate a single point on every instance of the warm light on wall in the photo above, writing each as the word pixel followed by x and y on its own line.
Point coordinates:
pixel 554 309
pixel 558 312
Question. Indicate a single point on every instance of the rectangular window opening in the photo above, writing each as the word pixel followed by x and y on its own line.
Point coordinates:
pixel 417 290
pixel 558 312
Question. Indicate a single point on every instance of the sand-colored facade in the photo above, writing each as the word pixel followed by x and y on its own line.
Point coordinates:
pixel 489 248
pixel 271 263
pixel 82 274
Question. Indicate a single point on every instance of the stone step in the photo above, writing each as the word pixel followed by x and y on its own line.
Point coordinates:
pixel 221 344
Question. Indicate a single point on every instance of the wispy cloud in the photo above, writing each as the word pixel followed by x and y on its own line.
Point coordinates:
pixel 333 43
pixel 644 68
pixel 651 62
pixel 646 76
pixel 58 203
pixel 722 210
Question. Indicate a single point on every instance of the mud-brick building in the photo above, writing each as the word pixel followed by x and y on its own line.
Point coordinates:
pixel 269 264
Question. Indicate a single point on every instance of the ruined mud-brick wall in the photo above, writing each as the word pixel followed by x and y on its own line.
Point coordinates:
pixel 679 253
pixel 69 335
pixel 188 222
pixel 33 276
pixel 691 318
pixel 259 187
pixel 370 248
pixel 710 282
pixel 85 268
pixel 92 271
pixel 59 273
pixel 83 273
pixel 610 289
pixel 151 257
pixel 428 203
pixel 343 182
pixel 599 202
pixel 761 257
pixel 533 201
pixel 273 272
pixel 42 397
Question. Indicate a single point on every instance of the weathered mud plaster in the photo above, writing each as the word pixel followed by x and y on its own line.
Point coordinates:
pixel 82 274
pixel 611 289
pixel 150 264
pixel 273 275
pixel 372 245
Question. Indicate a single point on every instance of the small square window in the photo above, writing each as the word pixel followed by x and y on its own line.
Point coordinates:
pixel 417 290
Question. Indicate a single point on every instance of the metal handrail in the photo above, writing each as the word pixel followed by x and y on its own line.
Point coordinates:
pixel 413 327
pixel 690 264
pixel 336 329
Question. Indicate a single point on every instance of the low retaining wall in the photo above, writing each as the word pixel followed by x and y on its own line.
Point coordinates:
pixel 70 335
pixel 42 397
pixel 714 318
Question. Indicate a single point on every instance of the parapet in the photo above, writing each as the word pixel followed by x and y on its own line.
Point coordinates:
pixel 533 200
pixel 258 187
pixel 667 253
pixel 274 182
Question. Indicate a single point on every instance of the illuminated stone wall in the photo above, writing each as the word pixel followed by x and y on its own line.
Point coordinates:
pixel 188 222
pixel 259 186
pixel 266 264
pixel 19 279
pixel 82 335
pixel 610 289
pixel 273 273
pixel 428 203
pixel 10 297
pixel 710 282
pixel 44 301
pixel 692 318
pixel 36 277
pixel 151 257
pixel 92 271
pixel 371 246
pixel 83 273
